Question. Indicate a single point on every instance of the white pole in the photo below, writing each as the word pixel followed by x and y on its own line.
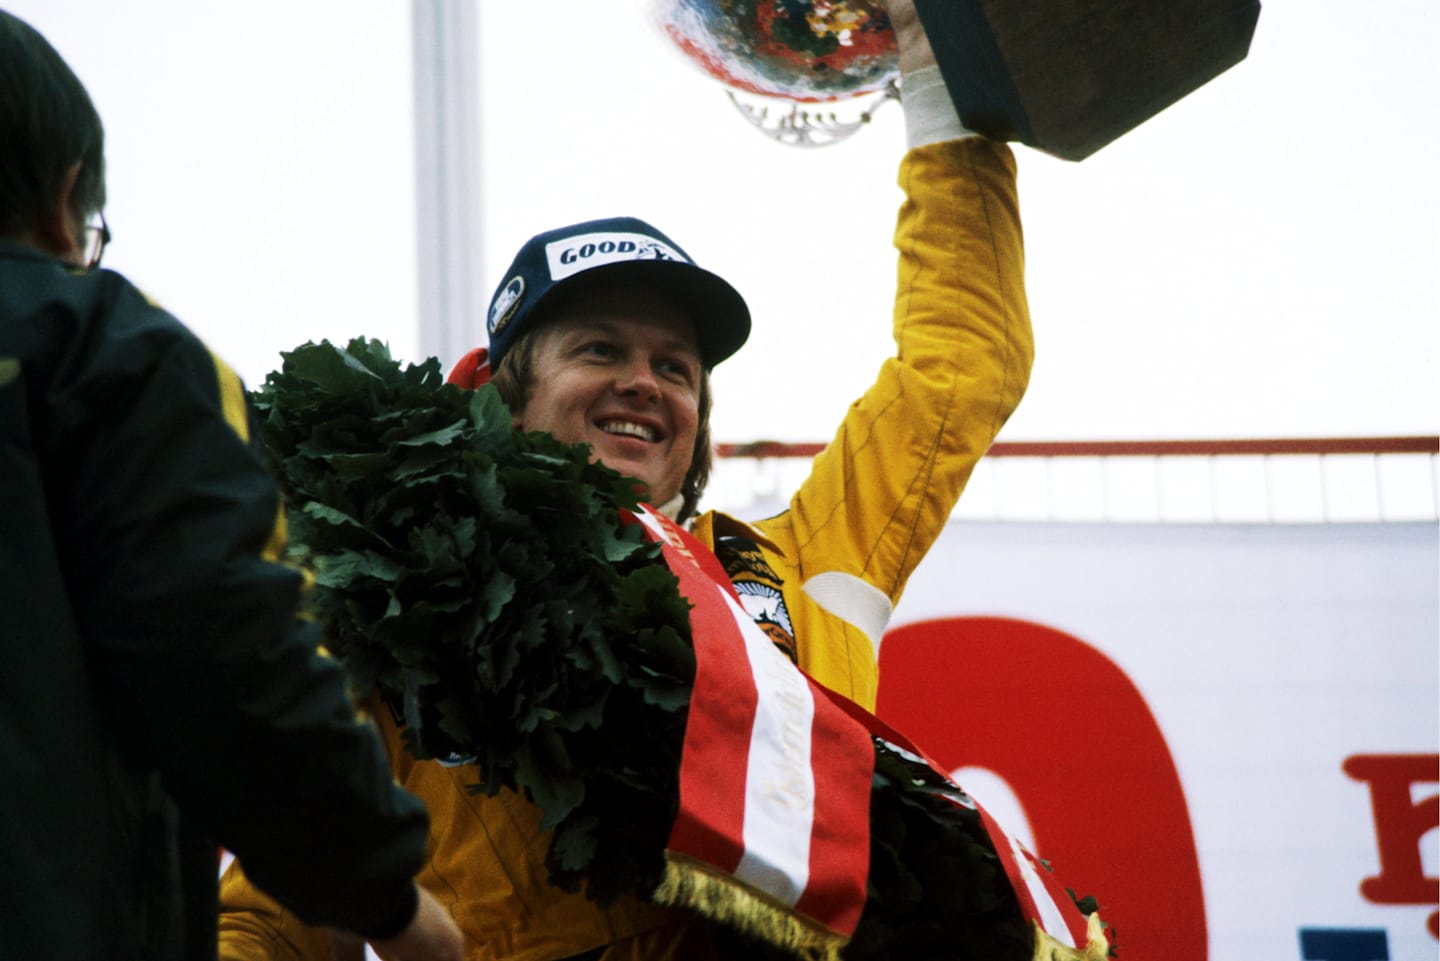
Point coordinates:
pixel 447 167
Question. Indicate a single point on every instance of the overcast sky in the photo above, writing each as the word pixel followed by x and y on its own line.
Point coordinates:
pixel 1260 260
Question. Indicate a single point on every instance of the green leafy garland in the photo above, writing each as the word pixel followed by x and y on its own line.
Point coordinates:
pixel 481 582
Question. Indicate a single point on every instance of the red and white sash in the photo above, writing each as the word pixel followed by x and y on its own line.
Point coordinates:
pixel 776 770
pixel 774 778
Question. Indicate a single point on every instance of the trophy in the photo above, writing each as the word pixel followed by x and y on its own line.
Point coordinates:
pixel 1063 76
pixel 807 73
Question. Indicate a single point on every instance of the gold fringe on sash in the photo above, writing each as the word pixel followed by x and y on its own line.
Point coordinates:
pixel 1097 948
pixel 713 894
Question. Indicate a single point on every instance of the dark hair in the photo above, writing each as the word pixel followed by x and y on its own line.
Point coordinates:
pixel 516 376
pixel 47 125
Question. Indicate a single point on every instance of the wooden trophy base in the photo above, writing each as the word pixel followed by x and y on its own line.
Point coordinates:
pixel 1069 76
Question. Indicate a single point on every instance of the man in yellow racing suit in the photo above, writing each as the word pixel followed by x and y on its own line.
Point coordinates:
pixel 822 576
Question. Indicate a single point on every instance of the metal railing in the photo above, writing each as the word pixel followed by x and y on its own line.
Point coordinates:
pixel 1312 480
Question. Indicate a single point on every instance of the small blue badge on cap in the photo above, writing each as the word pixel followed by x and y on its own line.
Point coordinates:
pixel 503 307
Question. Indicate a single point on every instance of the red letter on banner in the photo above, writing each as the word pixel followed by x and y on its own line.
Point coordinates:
pixel 1076 742
pixel 1400 823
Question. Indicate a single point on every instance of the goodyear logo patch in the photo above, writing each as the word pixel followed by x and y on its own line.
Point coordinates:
pixel 572 255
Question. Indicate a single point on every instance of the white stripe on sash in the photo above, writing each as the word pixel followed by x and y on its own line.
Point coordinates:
pixel 1050 916
pixel 779 783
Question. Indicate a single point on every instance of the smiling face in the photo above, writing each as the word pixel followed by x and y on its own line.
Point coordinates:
pixel 619 369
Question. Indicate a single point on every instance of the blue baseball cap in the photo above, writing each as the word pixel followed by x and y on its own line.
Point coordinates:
pixel 616 248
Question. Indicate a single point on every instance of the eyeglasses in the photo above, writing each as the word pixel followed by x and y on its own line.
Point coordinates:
pixel 97 235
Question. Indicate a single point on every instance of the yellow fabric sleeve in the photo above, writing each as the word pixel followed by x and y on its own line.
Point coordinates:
pixel 253 927
pixel 882 490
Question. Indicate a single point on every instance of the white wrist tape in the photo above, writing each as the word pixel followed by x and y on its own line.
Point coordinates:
pixel 930 117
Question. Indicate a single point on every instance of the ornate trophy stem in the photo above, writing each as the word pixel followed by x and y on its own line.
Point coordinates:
pixel 808 125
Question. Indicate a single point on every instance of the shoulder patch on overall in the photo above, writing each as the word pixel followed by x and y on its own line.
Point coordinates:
pixel 761 590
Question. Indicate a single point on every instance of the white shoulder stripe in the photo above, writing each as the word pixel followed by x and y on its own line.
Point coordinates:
pixel 857 603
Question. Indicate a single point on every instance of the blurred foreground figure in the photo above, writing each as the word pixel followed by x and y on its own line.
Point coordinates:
pixel 159 696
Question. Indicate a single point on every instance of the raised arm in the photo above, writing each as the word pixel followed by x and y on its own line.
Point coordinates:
pixel 881 492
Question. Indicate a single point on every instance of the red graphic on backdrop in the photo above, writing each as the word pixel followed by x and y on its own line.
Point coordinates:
pixel 1076 742
pixel 1400 823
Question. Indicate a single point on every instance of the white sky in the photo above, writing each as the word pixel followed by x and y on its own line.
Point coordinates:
pixel 1260 260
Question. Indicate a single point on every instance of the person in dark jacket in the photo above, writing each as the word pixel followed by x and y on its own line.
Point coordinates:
pixel 160 697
